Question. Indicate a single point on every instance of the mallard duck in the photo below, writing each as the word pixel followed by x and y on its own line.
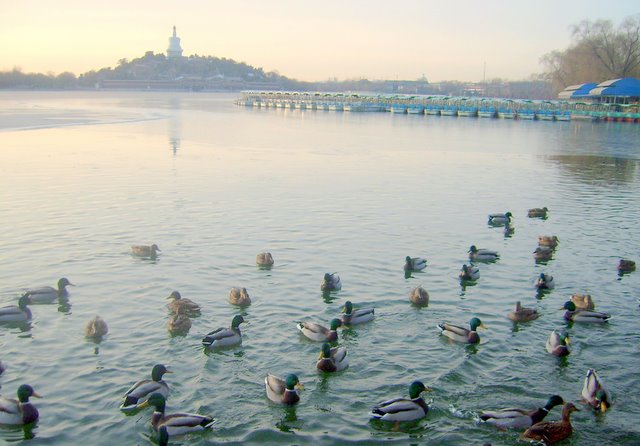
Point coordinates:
pixel 403 409
pixel 499 219
pixel 626 266
pixel 414 263
pixel 283 391
pixel 224 337
pixel 175 423
pixel 140 391
pixel 520 418
pixel 331 282
pixel 419 296
pixel 20 411
pixel 48 294
pixel 145 250
pixel 558 343
pixel 264 259
pixel 462 334
pixel 523 314
pixel 239 297
pixel 179 323
pixel 318 333
pixel 355 317
pixel 469 272
pixel 575 315
pixel 543 253
pixel 583 301
pixel 538 212
pixel 185 306
pixel 16 313
pixel 551 432
pixel 548 240
pixel 96 328
pixel 482 255
pixel 545 282
pixel 594 393
pixel 332 359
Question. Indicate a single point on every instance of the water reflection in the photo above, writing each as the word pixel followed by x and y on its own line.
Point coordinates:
pixel 175 124
pixel 289 422
pixel 601 170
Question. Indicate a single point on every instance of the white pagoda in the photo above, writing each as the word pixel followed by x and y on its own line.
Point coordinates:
pixel 174 51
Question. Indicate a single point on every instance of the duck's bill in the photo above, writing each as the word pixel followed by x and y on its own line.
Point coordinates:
pixel 299 386
pixel 40 396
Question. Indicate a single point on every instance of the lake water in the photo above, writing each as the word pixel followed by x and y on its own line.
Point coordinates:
pixel 85 175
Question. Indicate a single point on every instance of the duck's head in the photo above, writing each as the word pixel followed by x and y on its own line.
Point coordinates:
pixel 569 408
pixel 292 382
pixel 407 259
pixel 564 338
pixel 543 277
pixel 163 436
pixel 569 306
pixel 473 249
pixel 348 307
pixel 25 391
pixel 237 320
pixel 554 401
pixel 64 282
pixel 175 295
pixel 475 323
pixel 157 400
pixel 335 323
pixel 416 388
pixel 24 301
pixel 154 248
pixel 327 277
pixel 325 352
pixel 158 372
pixel 465 268
pixel 508 214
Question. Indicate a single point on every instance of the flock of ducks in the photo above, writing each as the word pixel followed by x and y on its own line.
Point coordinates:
pixel 333 358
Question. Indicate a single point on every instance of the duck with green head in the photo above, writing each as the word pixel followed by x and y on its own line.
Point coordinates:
pixel 558 343
pixel 331 282
pixel 351 316
pixel 135 397
pixel 176 423
pixel 482 255
pixel 462 334
pixel 590 316
pixel 283 391
pixel 332 359
pixel 469 273
pixel 403 409
pixel 594 392
pixel 20 411
pixel 16 313
pixel 225 337
pixel 49 294
pixel 520 418
pixel 499 219
pixel 414 263
pixel 545 282
pixel 319 333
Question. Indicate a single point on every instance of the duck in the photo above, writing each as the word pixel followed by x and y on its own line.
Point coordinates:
pixel 175 423
pixel 96 328
pixel 48 294
pixel 538 212
pixel 414 263
pixel 332 359
pixel 20 411
pixel 2 368
pixel 318 333
pixel 403 409
pixel 283 391
pixel 179 323
pixel 558 343
pixel 523 314
pixel 551 432
pixel 545 282
pixel 482 255
pixel 264 259
pixel 331 282
pixel 575 315
pixel 520 418
pixel 583 301
pixel 225 337
pixel 145 250
pixel 355 317
pixel 239 297
pixel 185 306
pixel 499 219
pixel 626 266
pixel 542 253
pixel 462 334
pixel 419 296
pixel 140 391
pixel 17 313
pixel 594 393
pixel 548 240
pixel 469 272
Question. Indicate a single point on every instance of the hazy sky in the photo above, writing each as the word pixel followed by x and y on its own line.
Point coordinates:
pixel 304 39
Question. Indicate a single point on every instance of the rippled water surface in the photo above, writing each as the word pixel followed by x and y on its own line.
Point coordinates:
pixel 85 175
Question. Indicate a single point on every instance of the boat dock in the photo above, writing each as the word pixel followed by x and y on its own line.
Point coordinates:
pixel 438 105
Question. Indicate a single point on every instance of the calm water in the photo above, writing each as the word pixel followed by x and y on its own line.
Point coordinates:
pixel 85 175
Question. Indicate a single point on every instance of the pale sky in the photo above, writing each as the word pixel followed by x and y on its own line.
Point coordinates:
pixel 310 40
